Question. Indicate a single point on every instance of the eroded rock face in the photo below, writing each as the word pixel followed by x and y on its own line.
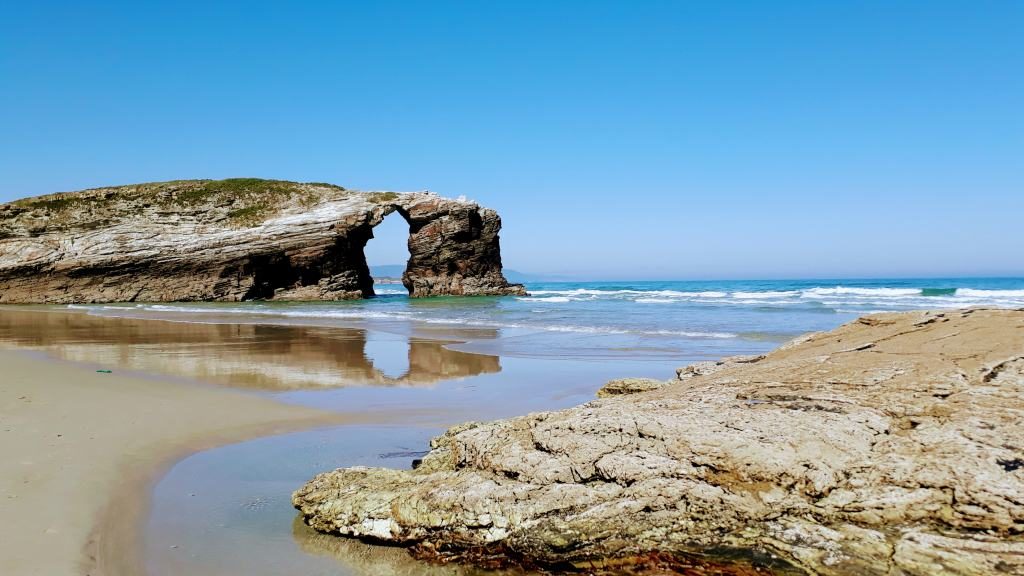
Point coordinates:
pixel 624 386
pixel 239 239
pixel 712 366
pixel 892 445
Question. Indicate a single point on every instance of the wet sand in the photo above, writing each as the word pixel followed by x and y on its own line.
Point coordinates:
pixel 81 449
pixel 244 352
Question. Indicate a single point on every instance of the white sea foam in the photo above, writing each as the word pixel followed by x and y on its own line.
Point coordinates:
pixel 656 301
pixel 576 292
pixel 766 294
pixel 990 293
pixel 642 293
pixel 547 300
pixel 844 291
pixel 824 294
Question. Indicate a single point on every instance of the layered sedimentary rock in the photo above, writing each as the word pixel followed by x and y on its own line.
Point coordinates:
pixel 892 445
pixel 238 239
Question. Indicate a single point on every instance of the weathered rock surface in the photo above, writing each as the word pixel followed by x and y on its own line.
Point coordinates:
pixel 623 386
pixel 712 366
pixel 238 239
pixel 892 445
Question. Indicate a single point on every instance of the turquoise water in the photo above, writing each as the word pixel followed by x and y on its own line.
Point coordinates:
pixel 691 319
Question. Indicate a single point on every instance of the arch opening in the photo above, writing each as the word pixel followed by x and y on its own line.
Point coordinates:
pixel 387 255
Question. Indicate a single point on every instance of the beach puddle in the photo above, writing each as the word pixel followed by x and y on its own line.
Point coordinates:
pixel 228 510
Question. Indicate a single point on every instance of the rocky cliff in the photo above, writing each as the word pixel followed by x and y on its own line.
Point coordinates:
pixel 893 445
pixel 238 239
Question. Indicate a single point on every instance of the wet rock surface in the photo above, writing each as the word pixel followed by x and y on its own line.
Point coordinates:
pixel 891 445
pixel 238 239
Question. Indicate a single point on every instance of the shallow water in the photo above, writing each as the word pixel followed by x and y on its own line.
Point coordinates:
pixel 620 320
pixel 228 511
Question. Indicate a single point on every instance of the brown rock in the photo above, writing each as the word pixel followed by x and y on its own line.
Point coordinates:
pixel 712 366
pixel 893 445
pixel 624 386
pixel 239 239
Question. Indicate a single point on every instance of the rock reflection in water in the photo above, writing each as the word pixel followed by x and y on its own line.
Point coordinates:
pixel 243 354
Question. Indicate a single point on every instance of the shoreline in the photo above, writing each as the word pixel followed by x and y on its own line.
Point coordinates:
pixel 85 448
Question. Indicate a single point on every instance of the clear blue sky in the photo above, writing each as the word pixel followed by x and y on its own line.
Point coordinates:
pixel 658 139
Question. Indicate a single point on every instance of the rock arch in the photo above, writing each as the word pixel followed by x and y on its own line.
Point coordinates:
pixel 454 248
pixel 241 239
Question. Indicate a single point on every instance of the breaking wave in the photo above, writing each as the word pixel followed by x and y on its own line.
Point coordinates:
pixel 832 296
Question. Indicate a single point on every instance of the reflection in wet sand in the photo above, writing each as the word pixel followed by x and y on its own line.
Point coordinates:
pixel 241 353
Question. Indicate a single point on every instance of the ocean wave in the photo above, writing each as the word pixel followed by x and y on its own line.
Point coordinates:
pixel 844 291
pixel 576 292
pixel 548 300
pixel 938 291
pixel 705 294
pixel 990 293
pixel 629 292
pixel 778 296
pixel 766 294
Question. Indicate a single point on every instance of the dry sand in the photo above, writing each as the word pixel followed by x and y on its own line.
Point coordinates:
pixel 74 442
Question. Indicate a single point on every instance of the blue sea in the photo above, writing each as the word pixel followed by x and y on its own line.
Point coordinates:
pixel 627 320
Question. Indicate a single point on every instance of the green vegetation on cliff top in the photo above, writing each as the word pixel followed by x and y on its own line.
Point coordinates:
pixel 247 200
pixel 242 201
pixel 175 192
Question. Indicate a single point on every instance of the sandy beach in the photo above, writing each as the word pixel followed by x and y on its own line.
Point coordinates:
pixel 82 447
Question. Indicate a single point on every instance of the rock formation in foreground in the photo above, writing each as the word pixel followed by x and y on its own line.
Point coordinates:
pixel 891 445
pixel 238 239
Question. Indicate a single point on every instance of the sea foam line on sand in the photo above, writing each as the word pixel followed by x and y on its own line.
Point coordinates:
pixel 360 315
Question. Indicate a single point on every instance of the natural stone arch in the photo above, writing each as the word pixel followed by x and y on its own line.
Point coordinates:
pixel 454 248
pixel 237 239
